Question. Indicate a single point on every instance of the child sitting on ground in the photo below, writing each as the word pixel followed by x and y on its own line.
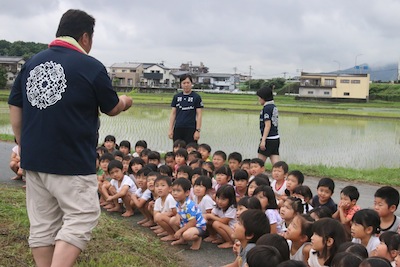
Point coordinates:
pixel 139 146
pixel 169 159
pixel 179 144
pixel 240 181
pixel 304 193
pixel 256 167
pixel 181 157
pixel 135 165
pixel 164 208
pixel 266 195
pixel 205 151
pixel 386 200
pixel 110 144
pixel 299 232
pixel 256 182
pixel 125 163
pixel 234 160
pixel 120 189
pixel 245 165
pixel 279 173
pixel 219 159
pixel 201 197
pixel 388 247
pixel 142 196
pixel 325 189
pixel 222 176
pixel 328 235
pixel 251 225
pixel 125 147
pixel 347 206
pixel 103 177
pixel 222 218
pixel 193 146
pixel 188 223
pixel 365 228
pixel 291 207
pixel 294 179
pixel 15 163
pixel 154 158
pixel 144 155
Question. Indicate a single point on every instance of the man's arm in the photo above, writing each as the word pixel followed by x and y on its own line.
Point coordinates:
pixel 124 103
pixel 172 118
pixel 199 113
pixel 16 122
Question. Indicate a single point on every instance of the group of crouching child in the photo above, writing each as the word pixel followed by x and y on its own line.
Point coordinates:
pixel 267 221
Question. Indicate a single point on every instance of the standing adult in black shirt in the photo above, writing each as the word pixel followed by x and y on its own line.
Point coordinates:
pixel 186 113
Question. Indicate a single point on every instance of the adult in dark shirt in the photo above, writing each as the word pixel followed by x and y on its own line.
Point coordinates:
pixel 186 113
pixel 270 141
pixel 54 106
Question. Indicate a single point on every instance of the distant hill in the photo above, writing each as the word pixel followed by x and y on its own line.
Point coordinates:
pixel 384 73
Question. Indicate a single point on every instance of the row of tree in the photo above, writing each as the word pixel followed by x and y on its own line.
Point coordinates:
pixel 20 48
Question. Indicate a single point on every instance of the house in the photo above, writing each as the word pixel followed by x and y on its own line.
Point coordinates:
pixel 334 86
pixel 13 66
pixel 194 69
pixel 219 81
pixel 124 75
pixel 155 75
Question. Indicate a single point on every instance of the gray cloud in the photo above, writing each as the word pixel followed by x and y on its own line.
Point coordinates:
pixel 271 36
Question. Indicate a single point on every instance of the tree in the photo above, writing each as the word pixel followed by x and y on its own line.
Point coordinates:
pixel 20 48
pixel 3 77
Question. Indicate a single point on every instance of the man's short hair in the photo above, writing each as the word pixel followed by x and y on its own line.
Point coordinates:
pixel 75 23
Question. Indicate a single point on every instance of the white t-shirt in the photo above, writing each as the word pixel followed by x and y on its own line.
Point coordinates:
pixel 313 259
pixel 167 206
pixel 146 195
pixel 125 181
pixel 278 191
pixel 373 242
pixel 206 203
pixel 229 213
pixel 274 217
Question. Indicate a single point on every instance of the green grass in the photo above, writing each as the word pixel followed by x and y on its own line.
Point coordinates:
pixel 114 241
pixel 383 176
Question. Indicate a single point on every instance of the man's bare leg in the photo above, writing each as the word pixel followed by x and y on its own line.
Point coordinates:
pixel 43 256
pixel 65 254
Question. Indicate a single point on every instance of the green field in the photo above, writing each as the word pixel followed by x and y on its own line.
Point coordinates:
pixel 376 108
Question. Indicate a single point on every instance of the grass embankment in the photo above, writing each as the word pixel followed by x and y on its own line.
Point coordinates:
pixel 383 176
pixel 114 242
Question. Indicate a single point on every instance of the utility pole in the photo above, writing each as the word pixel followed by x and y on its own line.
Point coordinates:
pixel 250 77
pixel 284 75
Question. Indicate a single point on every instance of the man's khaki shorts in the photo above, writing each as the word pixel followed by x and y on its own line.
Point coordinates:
pixel 61 207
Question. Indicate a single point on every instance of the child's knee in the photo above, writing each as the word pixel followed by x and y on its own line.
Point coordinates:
pixel 216 224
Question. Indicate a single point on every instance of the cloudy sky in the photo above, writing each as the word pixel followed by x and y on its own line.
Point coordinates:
pixel 273 37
